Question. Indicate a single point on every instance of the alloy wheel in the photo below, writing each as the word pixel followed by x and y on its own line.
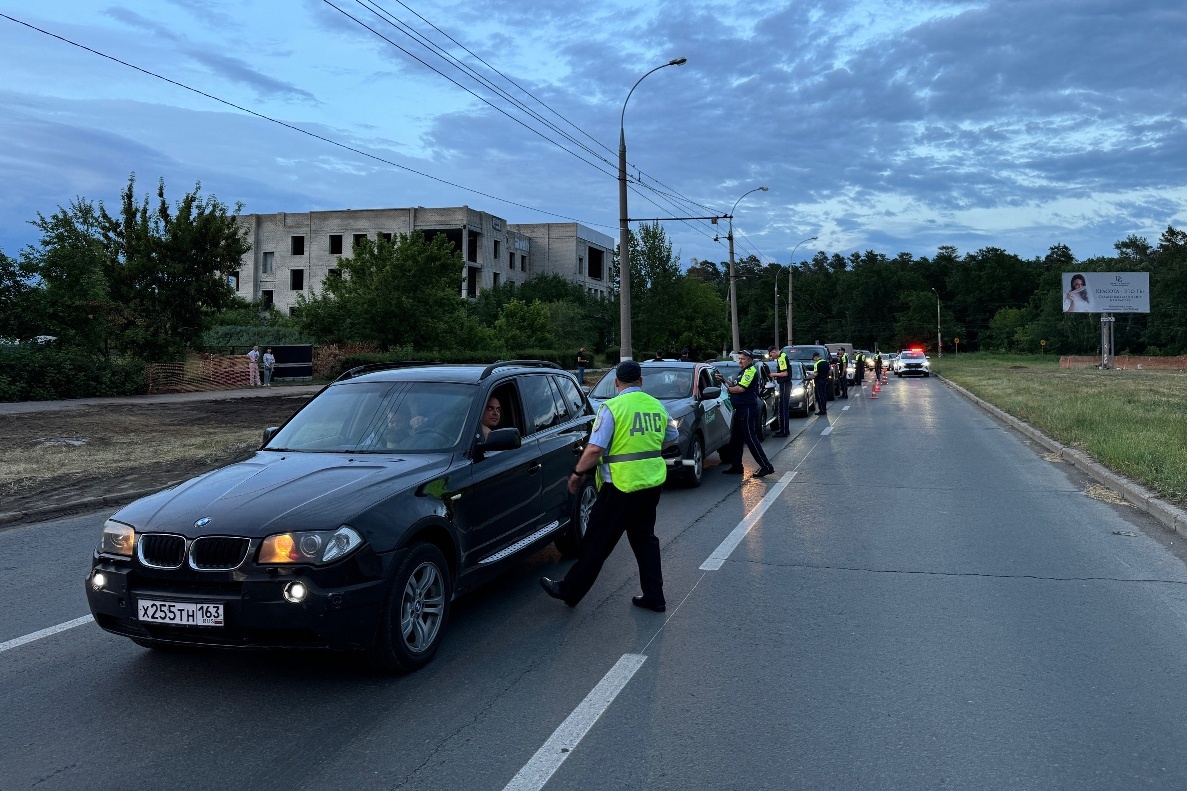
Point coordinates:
pixel 422 607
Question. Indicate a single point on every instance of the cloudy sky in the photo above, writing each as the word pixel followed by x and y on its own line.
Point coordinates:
pixel 883 124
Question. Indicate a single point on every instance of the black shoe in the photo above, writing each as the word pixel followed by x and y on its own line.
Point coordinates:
pixel 553 589
pixel 733 471
pixel 764 472
pixel 640 601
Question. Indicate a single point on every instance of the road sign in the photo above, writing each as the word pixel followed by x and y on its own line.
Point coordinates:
pixel 1043 343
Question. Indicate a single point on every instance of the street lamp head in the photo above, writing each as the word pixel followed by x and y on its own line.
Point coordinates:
pixel 764 189
pixel 678 62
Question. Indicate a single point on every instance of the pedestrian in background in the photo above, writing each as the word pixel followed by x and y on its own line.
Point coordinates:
pixel 685 355
pixel 744 397
pixel 877 366
pixel 269 363
pixel 582 364
pixel 253 367
pixel 820 378
pixel 782 377
pixel 626 446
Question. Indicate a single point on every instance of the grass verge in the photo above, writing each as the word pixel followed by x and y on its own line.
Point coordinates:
pixel 1134 422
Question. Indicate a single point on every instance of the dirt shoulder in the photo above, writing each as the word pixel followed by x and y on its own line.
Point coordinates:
pixel 52 459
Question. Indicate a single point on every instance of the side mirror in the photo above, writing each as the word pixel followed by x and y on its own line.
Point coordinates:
pixel 710 393
pixel 500 439
pixel 269 433
pixel 585 389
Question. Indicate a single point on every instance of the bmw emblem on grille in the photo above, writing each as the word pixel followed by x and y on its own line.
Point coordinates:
pixel 202 522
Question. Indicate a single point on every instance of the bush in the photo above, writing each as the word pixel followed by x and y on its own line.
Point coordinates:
pixel 47 373
pixel 230 336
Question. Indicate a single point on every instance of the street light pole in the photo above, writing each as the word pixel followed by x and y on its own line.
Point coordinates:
pixel 790 290
pixel 733 280
pixel 939 341
pixel 624 231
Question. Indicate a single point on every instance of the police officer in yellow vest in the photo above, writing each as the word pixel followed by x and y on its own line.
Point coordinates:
pixel 629 434
pixel 782 377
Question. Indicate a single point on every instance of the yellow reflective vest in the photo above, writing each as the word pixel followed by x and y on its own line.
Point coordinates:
pixel 634 455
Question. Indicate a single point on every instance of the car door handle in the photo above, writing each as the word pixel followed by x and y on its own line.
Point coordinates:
pixel 578 450
pixel 535 467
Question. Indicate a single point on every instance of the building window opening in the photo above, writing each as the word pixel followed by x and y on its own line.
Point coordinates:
pixel 266 299
pixel 496 279
pixel 385 236
pixel 359 237
pixel 335 244
pixel 511 261
pixel 472 252
pixel 523 263
pixel 497 253
pixel 233 280
pixel 597 264
pixel 298 245
pixel 472 274
pixel 581 265
pixel 266 264
pixel 334 274
pixel 297 279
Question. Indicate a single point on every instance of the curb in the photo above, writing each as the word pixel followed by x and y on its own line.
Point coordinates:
pixel 85 504
pixel 1170 516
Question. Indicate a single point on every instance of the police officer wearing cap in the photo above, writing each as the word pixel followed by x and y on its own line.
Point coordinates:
pixel 625 447
pixel 744 397
pixel 844 373
pixel 783 376
pixel 820 378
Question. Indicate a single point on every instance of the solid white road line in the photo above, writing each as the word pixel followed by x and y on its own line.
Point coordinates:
pixel 827 431
pixel 17 642
pixel 722 553
pixel 565 738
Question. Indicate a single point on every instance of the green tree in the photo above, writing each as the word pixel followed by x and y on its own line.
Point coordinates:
pixel 21 302
pixel 524 326
pixel 399 293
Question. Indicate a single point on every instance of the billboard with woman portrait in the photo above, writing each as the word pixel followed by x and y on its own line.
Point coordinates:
pixel 1106 292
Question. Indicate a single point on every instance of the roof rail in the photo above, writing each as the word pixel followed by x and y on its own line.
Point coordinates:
pixel 525 363
pixel 359 370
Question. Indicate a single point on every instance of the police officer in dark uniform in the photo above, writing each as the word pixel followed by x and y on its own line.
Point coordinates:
pixel 744 397
pixel 820 377
pixel 877 366
pixel 859 368
pixel 626 449
pixel 782 377
pixel 844 375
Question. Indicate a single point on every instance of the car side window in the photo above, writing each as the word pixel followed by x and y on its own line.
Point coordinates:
pixel 540 407
pixel 572 397
pixel 705 380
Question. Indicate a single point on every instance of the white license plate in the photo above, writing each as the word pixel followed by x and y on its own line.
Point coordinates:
pixel 180 613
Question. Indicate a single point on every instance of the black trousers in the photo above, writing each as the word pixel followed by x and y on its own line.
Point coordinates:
pixel 822 396
pixel 742 432
pixel 785 406
pixel 614 513
pixel 843 384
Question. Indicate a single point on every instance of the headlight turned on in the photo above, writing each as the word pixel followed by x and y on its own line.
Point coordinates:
pixel 118 539
pixel 312 546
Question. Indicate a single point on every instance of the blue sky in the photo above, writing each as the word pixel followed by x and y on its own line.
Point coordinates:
pixel 892 126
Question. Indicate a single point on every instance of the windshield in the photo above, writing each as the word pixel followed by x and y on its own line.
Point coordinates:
pixel 379 417
pixel 911 356
pixel 803 353
pixel 658 382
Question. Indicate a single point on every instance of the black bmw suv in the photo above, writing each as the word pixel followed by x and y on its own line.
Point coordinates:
pixel 359 520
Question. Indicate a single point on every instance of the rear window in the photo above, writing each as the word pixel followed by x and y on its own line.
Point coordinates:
pixel 804 353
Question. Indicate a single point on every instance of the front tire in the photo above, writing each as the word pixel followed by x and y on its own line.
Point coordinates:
pixel 415 614
pixel 570 543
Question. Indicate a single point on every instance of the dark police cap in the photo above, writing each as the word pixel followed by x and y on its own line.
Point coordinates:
pixel 628 371
pixel 746 354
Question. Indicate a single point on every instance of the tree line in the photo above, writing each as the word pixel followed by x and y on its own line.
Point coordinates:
pixel 147 282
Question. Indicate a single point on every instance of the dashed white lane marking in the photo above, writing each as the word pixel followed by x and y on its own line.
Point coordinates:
pixel 845 408
pixel 722 553
pixel 17 642
pixel 569 733
pixel 827 431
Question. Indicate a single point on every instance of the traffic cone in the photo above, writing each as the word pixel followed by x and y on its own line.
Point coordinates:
pixel 874 390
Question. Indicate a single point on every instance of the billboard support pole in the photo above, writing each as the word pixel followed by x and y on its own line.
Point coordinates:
pixel 1106 341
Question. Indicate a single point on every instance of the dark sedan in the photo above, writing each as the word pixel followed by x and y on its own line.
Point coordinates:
pixel 693 400
pixel 357 522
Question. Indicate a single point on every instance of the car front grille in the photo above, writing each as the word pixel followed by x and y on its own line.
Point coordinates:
pixel 161 550
pixel 217 553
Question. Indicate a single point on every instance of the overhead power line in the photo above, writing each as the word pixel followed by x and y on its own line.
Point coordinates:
pixel 294 128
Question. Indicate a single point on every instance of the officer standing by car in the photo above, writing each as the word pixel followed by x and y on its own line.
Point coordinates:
pixel 629 435
pixel 820 378
pixel 782 376
pixel 877 366
pixel 844 374
pixel 744 397
pixel 859 368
